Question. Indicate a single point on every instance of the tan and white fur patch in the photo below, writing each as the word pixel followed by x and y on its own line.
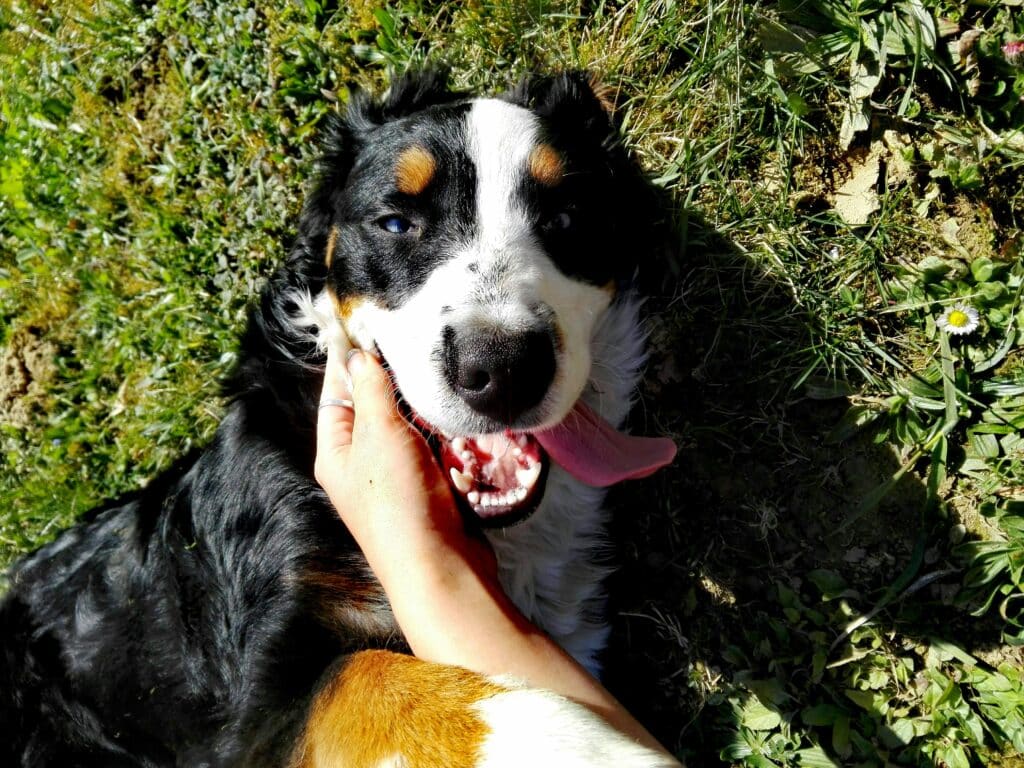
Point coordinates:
pixel 389 710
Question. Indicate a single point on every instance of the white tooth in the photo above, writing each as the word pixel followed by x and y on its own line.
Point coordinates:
pixel 521 440
pixel 520 494
pixel 485 499
pixel 527 477
pixel 473 497
pixel 459 445
pixel 461 480
pixel 517 452
pixel 466 456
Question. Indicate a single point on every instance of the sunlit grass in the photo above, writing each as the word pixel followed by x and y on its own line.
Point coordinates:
pixel 152 162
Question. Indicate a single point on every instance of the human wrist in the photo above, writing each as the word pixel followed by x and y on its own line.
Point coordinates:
pixel 428 563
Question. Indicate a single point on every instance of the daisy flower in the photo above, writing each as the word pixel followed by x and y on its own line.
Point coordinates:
pixel 958 319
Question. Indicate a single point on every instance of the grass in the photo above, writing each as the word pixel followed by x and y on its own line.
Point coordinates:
pixel 833 573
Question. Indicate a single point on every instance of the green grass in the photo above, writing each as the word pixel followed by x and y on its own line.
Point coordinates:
pixel 833 573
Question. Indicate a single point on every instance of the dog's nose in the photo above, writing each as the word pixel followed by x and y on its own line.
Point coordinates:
pixel 499 375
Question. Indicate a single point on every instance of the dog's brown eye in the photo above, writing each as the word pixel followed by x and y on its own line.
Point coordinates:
pixel 396 225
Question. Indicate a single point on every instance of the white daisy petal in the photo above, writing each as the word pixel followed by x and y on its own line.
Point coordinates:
pixel 958 320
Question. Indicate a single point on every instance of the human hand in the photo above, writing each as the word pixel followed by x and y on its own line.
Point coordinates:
pixel 381 476
pixel 442 583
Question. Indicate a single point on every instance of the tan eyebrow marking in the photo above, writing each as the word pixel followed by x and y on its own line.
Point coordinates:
pixel 546 165
pixel 332 240
pixel 415 170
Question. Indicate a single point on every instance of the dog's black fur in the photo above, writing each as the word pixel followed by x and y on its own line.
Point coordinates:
pixel 190 623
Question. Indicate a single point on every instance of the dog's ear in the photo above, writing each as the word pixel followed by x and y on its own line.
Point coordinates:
pixel 338 147
pixel 410 92
pixel 570 102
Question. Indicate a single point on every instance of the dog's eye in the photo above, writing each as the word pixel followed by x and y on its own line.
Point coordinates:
pixel 558 223
pixel 396 225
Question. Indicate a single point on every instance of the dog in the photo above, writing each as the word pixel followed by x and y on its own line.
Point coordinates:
pixel 485 249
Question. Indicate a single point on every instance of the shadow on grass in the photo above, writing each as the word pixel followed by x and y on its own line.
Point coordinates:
pixel 752 513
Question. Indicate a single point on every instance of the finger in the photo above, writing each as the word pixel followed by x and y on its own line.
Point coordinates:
pixel 374 395
pixel 335 422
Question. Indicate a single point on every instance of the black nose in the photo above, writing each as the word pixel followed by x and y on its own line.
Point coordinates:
pixel 499 375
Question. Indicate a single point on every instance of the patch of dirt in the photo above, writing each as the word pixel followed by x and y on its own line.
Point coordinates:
pixel 26 368
pixel 976 227
pixel 856 194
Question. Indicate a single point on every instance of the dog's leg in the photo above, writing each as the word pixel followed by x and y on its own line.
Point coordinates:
pixel 388 710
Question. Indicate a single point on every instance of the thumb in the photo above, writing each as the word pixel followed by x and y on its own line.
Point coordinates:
pixel 373 395
pixel 334 422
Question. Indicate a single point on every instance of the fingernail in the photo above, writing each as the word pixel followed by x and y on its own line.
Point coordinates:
pixel 354 361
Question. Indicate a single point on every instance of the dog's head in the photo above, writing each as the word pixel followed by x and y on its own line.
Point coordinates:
pixel 475 243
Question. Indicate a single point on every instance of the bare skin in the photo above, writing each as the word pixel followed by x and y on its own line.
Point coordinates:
pixel 442 582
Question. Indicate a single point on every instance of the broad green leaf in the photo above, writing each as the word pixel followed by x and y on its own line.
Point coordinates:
pixel 821 714
pixel 953 756
pixel 982 269
pixel 815 757
pixel 757 717
pixel 830 583
pixel 841 736
pixel 897 734
pixel 853 421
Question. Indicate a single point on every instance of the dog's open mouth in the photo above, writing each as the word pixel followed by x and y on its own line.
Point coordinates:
pixel 500 478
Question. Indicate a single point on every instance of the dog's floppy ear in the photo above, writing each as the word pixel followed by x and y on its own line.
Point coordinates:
pixel 410 92
pixel 569 101
pixel 337 156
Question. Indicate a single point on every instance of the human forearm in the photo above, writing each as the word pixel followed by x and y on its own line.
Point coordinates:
pixel 441 581
pixel 453 613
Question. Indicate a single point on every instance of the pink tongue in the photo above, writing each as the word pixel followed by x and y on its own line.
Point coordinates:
pixel 587 447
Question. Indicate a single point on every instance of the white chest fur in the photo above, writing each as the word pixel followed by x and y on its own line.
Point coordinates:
pixel 554 564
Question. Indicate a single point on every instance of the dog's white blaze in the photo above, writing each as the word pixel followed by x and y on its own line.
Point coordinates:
pixel 501 280
pixel 514 271
pixel 500 137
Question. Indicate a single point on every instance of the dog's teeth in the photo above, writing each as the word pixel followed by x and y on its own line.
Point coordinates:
pixel 521 441
pixel 461 480
pixel 527 477
pixel 520 494
pixel 466 456
pixel 459 445
pixel 517 452
pixel 473 497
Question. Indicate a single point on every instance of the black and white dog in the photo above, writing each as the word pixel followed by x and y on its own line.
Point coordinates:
pixel 484 248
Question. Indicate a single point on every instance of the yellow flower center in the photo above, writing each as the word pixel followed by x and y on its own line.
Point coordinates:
pixel 958 319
